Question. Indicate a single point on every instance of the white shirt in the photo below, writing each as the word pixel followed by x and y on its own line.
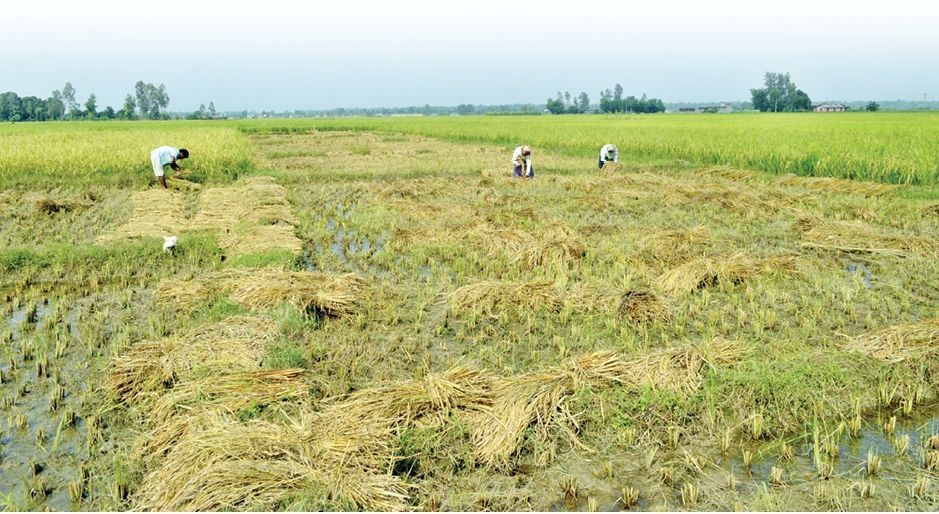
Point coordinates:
pixel 518 158
pixel 164 155
pixel 607 150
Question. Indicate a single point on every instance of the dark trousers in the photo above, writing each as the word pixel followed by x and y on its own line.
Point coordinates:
pixel 519 173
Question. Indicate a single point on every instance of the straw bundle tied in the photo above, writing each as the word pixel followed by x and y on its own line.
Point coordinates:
pixel 156 213
pixel 537 400
pixel 708 271
pixel 234 344
pixel 228 465
pixel 851 236
pixel 492 297
pixel 612 167
pixel 899 342
pixel 261 288
pixel 838 185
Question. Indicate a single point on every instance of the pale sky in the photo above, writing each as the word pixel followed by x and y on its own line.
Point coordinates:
pixel 292 54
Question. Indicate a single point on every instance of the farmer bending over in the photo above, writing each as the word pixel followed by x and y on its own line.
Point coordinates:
pixel 608 153
pixel 163 156
pixel 521 158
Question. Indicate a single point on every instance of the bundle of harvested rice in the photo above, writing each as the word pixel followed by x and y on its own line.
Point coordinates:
pixel 673 244
pixel 186 294
pixel 708 271
pixel 230 392
pixel 495 239
pixel 458 388
pixel 899 342
pixel 261 238
pixel 537 400
pixel 257 200
pixel 260 288
pixel 156 212
pixel 728 173
pixel 838 185
pixel 54 205
pixel 851 236
pixel 234 344
pixel 228 465
pixel 642 307
pixel 612 167
pixel 638 307
pixel 727 197
pixel 680 368
pixel 332 295
pixel 491 298
pixel 556 246
pixel 183 185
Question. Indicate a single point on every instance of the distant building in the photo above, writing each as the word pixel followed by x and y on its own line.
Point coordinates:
pixel 723 107
pixel 830 108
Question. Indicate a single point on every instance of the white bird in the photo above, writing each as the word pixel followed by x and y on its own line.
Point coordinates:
pixel 169 243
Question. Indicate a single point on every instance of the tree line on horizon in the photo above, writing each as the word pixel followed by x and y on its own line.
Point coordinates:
pixel 148 101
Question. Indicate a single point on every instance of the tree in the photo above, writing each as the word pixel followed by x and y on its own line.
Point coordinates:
pixel 760 99
pixel 108 113
pixel 68 98
pixel 159 100
pixel 151 100
pixel 212 113
pixel 143 98
pixel 872 106
pixel 130 105
pixel 606 101
pixel 10 106
pixel 32 108
pixel 55 108
pixel 555 106
pixel 779 94
pixel 91 107
pixel 583 102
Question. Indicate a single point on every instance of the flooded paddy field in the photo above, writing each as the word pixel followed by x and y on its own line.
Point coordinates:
pixel 382 321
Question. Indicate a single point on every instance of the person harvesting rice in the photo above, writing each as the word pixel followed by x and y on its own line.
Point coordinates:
pixel 521 159
pixel 608 153
pixel 166 156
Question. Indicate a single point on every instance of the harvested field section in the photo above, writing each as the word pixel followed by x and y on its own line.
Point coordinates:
pixel 332 295
pixel 860 237
pixel 441 339
pixel 155 213
pixel 899 342
pixel 732 269
pixel 231 345
pixel 252 216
